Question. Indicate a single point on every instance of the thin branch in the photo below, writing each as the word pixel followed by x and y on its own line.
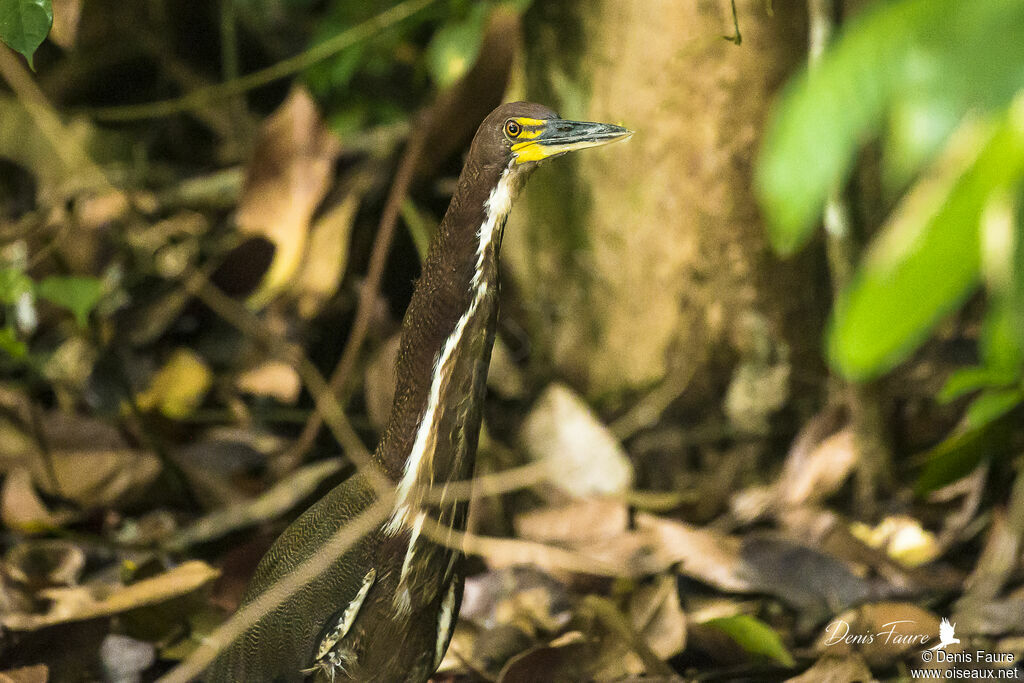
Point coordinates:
pixel 293 65
pixel 737 37
pixel 66 147
pixel 518 551
pixel 241 318
pixel 367 298
pixel 283 589
pixel 874 467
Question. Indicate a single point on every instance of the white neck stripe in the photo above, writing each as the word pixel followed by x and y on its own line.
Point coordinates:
pixel 496 210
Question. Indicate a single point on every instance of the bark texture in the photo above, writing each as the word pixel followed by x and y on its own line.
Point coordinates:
pixel 648 255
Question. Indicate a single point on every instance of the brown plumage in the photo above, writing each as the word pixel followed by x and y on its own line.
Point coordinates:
pixel 386 609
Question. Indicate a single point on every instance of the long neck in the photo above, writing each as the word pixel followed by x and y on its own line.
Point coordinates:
pixel 447 335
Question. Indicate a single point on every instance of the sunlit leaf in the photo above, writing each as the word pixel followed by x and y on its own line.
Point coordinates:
pixel 13 284
pixel 955 56
pixel 77 294
pixel 11 345
pixel 916 130
pixel 179 386
pixel 1000 344
pixel 928 258
pixel 965 380
pixel 454 48
pixel 754 636
pixel 24 24
pixel 991 406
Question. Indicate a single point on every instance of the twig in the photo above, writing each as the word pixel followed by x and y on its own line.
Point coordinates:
pixel 279 592
pixel 606 612
pixel 231 71
pixel 874 467
pixel 241 318
pixel 736 39
pixel 74 157
pixel 293 65
pixel 509 550
pixel 367 297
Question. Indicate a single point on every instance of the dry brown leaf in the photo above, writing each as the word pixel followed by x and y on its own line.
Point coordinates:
pixel 321 272
pixel 46 563
pixel 563 660
pixel 575 523
pixel 98 478
pixel 902 538
pixel 836 669
pixel 702 554
pixel 287 179
pixel 272 378
pixel 101 600
pixel 39 673
pixel 656 615
pixel 881 632
pixel 584 457
pixel 21 508
pixel 812 477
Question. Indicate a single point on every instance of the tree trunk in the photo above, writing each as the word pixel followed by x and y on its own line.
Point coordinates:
pixel 649 256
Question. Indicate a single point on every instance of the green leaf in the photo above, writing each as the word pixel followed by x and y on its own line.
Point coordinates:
pixel 1000 344
pixel 991 406
pixel 77 294
pixel 454 48
pixel 754 636
pixel 928 258
pixel 1015 291
pixel 24 24
pixel 13 284
pixel 966 380
pixel 961 452
pixel 955 56
pixel 11 345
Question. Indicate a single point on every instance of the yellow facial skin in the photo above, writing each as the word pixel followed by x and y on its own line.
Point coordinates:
pixel 527 145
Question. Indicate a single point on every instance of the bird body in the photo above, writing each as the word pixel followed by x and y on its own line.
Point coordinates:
pixel 386 609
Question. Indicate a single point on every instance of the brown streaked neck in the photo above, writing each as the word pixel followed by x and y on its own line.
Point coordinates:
pixel 457 278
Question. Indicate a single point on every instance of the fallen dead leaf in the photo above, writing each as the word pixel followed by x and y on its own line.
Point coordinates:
pixel 836 669
pixel 881 632
pixel 815 475
pixel 98 478
pixel 584 457
pixel 563 660
pixel 178 388
pixel 38 564
pixel 326 258
pixel 287 179
pixel 38 673
pixel 702 554
pixel 574 523
pixel 21 508
pixel 656 615
pixel 272 378
pixel 102 600
pixel 902 538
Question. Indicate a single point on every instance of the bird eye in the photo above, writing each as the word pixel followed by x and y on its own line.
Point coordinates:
pixel 512 128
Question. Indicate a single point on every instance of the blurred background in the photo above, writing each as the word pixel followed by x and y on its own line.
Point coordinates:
pixel 756 394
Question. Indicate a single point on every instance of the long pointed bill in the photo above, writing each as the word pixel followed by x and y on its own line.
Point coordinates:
pixel 556 137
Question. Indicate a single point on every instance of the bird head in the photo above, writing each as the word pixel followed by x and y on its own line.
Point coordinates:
pixel 522 134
